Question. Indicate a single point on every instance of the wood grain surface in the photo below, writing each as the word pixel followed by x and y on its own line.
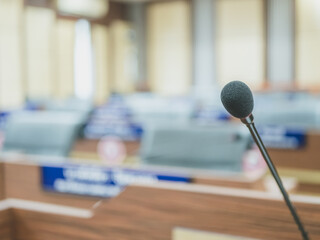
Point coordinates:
pixel 152 213
pixel 309 188
pixel 304 158
pixel 23 181
pixel 2 181
pixel 257 184
pixel 6 225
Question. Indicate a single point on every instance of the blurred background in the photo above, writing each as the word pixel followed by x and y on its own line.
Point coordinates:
pixel 138 83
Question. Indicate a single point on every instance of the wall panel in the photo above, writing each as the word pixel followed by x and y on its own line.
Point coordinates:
pixel 122 57
pixel 11 68
pixel 101 41
pixel 169 47
pixel 64 58
pixel 40 39
pixel 307 43
pixel 240 41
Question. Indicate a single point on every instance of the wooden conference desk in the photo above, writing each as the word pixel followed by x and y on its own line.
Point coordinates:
pixel 302 164
pixel 305 158
pixel 150 211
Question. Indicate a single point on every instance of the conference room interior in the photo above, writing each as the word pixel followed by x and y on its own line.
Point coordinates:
pixel 112 125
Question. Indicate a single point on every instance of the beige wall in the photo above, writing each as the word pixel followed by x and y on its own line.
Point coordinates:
pixel 308 43
pixel 101 44
pixel 169 47
pixel 120 50
pixel 37 55
pixel 240 41
pixel 36 49
pixel 40 49
pixel 64 45
pixel 11 68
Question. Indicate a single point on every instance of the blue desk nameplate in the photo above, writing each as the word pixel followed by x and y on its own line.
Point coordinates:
pixel 282 137
pixel 99 181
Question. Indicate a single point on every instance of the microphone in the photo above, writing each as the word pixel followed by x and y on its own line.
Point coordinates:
pixel 237 98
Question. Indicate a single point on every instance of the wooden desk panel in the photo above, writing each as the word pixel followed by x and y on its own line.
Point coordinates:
pixel 257 184
pixel 27 176
pixel 2 181
pixel 152 213
pixel 23 181
pixel 43 226
pixel 304 158
pixel 6 225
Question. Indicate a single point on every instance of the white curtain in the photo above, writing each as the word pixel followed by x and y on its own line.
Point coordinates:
pixel 83 61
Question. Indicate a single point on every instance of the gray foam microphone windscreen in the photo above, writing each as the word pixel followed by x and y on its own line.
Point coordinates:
pixel 237 98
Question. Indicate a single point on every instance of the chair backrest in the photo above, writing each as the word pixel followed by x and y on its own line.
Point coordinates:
pixel 297 111
pixel 219 147
pixel 289 116
pixel 80 106
pixel 44 133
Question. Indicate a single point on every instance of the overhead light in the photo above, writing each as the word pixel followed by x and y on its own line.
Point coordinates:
pixel 84 8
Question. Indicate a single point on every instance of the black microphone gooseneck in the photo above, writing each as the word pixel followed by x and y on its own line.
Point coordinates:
pixel 255 135
pixel 238 100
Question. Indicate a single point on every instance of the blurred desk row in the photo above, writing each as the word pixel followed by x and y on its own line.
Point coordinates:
pixel 234 206
pixel 173 132
pixel 178 178
pixel 300 163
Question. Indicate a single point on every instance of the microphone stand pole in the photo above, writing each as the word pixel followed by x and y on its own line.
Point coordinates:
pixel 250 124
